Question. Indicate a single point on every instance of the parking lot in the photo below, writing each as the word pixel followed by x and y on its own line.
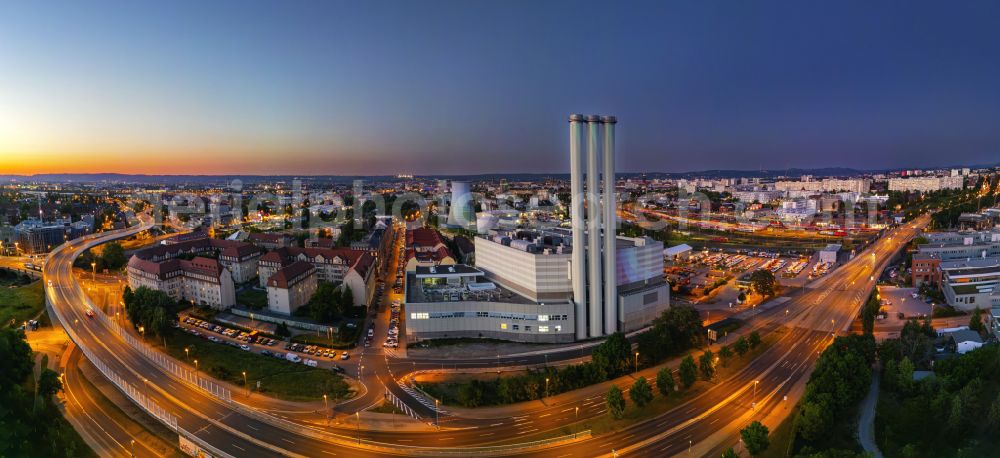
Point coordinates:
pixel 265 345
pixel 704 270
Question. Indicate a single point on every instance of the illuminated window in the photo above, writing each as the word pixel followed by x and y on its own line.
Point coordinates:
pixel 503 326
pixel 543 318
pixel 543 329
pixel 558 328
pixel 420 316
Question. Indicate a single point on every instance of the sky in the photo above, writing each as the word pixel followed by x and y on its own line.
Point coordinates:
pixel 461 87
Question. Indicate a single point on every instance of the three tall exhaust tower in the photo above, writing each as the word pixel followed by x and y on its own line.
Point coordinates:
pixel 593 269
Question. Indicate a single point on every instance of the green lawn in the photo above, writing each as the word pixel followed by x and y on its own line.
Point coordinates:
pixel 278 378
pixel 21 303
pixel 252 298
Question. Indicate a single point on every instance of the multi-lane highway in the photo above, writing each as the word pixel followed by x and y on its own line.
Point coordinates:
pixel 235 429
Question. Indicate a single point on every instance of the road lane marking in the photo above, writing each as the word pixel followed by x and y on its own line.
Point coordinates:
pixel 241 448
pixel 527 431
pixel 497 424
pixel 543 416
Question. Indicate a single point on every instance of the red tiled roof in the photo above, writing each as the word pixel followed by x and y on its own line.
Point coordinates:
pixel 290 274
pixel 198 265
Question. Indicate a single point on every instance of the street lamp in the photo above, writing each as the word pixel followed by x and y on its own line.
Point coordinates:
pixel 637 361
pixel 577 414
pixel 245 383
pixel 133 448
pixel 142 330
pixel 93 275
pixel 326 407
pixel 187 354
pixel 196 365
pixel 546 387
pixel 436 418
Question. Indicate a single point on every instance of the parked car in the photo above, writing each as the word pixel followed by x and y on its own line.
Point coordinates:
pixel 345 356
pixel 293 357
pixel 310 362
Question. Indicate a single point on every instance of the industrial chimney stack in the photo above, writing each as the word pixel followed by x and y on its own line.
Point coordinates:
pixel 593 267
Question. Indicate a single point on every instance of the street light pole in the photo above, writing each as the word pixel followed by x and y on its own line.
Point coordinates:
pixel 357 416
pixel 636 361
pixel 436 417
pixel 245 383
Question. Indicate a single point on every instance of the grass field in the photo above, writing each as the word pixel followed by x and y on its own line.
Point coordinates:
pixel 252 298
pixel 278 378
pixel 21 303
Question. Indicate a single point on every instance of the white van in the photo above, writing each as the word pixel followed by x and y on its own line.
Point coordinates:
pixel 292 357
pixel 310 362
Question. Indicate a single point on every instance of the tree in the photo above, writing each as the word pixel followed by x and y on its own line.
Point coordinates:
pixel 993 418
pixel 753 339
pixel 741 346
pixel 113 256
pixel 613 355
pixel 282 330
pixel 706 365
pixel 730 453
pixel 641 393
pixel 742 297
pixel 688 372
pixel 976 321
pixel 615 402
pixel 49 384
pixel 664 381
pixel 763 282
pixel 755 438
pixel 725 354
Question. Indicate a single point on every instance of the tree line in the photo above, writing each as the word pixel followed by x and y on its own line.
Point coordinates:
pixel 30 422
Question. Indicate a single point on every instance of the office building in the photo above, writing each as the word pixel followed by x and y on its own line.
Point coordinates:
pixel 926 183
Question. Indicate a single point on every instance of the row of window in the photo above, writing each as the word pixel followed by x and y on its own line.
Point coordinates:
pixel 527 328
pixel 501 315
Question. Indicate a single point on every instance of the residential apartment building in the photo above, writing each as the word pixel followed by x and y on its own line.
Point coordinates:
pixel 334 265
pixel 291 287
pixel 239 258
pixel 426 248
pixel 203 281
pixel 926 184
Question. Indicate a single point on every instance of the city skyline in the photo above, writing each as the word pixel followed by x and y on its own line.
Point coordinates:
pixel 455 89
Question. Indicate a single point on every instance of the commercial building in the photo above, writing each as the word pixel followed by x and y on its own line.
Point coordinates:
pixel 203 281
pixel 971 283
pixel 291 287
pixel 830 253
pixel 34 236
pixel 340 266
pixel 926 269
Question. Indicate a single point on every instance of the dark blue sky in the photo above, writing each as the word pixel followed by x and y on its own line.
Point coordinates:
pixel 477 87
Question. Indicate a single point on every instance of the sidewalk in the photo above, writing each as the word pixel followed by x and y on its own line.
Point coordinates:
pixel 866 424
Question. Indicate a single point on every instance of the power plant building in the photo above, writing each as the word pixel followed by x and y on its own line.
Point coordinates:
pixel 551 285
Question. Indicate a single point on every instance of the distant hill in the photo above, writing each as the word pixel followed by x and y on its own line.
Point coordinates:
pixel 343 179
